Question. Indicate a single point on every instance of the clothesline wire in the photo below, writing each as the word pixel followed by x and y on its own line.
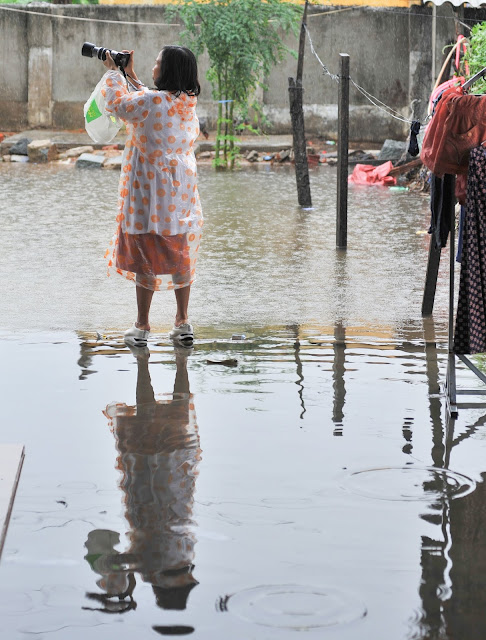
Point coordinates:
pixel 333 76
pixel 326 13
pixel 67 17
pixel 397 13
pixel 393 113
pixel 62 16
pixel 381 105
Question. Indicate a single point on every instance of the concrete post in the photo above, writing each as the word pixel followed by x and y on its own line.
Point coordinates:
pixel 39 110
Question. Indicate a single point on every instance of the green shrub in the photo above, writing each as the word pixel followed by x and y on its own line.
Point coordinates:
pixel 243 39
pixel 476 54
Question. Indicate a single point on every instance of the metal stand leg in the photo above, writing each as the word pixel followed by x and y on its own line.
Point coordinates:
pixel 451 387
pixel 451 362
pixel 449 437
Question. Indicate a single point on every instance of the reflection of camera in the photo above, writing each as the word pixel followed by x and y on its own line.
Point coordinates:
pixel 91 51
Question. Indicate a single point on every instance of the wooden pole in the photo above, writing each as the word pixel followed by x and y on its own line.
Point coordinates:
pixel 296 92
pixel 300 59
pixel 431 278
pixel 300 150
pixel 343 143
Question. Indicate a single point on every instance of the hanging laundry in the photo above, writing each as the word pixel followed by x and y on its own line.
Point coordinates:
pixel 460 235
pixel 470 329
pixel 461 193
pixel 438 91
pixel 458 125
pixel 441 196
pixel 461 187
pixel 413 147
pixel 367 174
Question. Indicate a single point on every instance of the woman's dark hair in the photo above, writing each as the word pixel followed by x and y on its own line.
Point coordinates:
pixel 178 71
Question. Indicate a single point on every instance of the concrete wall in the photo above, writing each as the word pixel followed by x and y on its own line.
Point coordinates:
pixel 46 81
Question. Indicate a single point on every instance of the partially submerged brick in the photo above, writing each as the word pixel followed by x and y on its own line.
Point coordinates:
pixel 42 151
pixel 89 161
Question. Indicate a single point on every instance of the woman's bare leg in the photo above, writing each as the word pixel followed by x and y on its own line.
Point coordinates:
pixel 144 300
pixel 182 299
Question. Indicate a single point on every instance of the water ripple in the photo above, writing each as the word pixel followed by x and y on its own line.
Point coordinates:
pixel 410 483
pixel 296 607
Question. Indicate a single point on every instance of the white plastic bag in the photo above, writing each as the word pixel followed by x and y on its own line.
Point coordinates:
pixel 101 126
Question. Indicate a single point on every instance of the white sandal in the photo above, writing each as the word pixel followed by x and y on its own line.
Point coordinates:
pixel 183 333
pixel 136 337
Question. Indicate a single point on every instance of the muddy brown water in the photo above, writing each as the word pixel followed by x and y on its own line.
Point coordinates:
pixel 307 491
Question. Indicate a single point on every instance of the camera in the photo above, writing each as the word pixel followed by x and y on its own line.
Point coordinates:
pixel 90 50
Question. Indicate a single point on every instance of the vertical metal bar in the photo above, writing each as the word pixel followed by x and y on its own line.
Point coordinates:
pixel 343 143
pixel 434 42
pixel 451 369
pixel 449 439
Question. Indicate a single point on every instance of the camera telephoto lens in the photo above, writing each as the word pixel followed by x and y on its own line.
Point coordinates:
pixel 87 49
pixel 90 50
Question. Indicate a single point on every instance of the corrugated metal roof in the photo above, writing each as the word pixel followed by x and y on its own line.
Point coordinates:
pixel 458 3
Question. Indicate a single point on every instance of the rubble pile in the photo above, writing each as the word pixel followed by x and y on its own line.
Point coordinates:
pixel 43 151
pixel 406 170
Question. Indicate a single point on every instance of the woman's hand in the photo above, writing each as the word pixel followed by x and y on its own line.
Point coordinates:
pixel 129 70
pixel 109 63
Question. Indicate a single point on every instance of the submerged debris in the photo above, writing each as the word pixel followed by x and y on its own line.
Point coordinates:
pixel 229 362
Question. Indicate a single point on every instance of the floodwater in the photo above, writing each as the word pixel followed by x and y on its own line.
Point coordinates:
pixel 263 260
pixel 304 488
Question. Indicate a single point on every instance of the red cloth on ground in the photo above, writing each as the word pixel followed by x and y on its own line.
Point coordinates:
pixel 367 174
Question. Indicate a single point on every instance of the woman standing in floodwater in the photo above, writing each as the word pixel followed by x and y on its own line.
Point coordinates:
pixel 160 217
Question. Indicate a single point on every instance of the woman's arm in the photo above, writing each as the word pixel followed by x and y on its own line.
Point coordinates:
pixel 129 107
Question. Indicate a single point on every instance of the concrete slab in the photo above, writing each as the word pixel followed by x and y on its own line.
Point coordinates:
pixel 11 461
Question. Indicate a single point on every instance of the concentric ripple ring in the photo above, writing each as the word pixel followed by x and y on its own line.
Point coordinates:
pixel 409 483
pixel 296 607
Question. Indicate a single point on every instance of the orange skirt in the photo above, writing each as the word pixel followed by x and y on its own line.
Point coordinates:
pixel 155 262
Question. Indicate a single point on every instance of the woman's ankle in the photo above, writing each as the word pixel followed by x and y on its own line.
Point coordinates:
pixel 144 326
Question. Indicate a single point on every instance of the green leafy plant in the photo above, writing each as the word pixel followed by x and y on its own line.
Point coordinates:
pixel 476 54
pixel 243 39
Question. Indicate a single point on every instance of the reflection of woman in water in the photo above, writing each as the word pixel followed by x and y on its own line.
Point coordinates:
pixel 158 445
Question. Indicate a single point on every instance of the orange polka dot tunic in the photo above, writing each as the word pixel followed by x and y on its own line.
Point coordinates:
pixel 159 211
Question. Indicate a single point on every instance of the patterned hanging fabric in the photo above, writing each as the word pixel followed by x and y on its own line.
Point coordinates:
pixel 470 328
